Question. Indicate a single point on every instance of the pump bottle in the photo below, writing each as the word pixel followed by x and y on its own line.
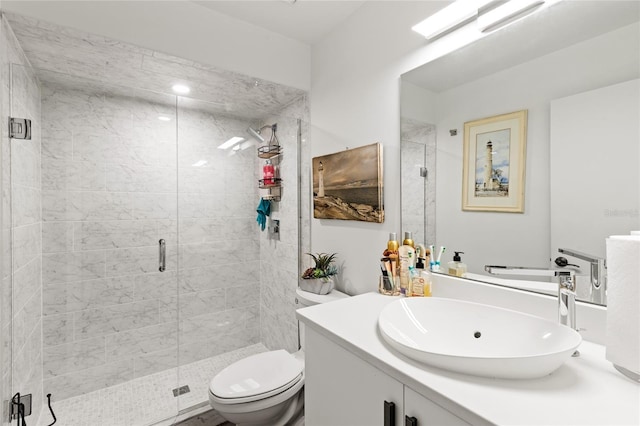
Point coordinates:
pixel 456 267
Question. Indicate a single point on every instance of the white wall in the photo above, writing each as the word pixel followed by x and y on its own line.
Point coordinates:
pixel 584 163
pixel 355 101
pixel 184 29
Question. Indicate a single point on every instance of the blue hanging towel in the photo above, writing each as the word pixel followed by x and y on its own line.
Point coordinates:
pixel 264 210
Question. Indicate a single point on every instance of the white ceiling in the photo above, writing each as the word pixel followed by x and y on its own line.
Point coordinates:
pixel 307 21
pixel 559 26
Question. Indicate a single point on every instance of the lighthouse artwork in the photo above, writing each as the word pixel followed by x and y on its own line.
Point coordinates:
pixel 347 185
pixel 494 162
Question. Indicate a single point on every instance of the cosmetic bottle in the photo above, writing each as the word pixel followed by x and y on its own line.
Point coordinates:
pixel 268 173
pixel 427 282
pixel 392 245
pixel 456 267
pixel 407 256
pixel 407 240
pixel 415 286
pixel 420 282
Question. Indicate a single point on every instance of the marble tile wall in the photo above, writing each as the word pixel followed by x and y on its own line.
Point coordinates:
pixel 114 179
pixel 279 258
pixel 418 149
pixel 21 296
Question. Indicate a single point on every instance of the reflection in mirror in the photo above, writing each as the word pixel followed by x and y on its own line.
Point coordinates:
pixel 574 68
pixel 417 154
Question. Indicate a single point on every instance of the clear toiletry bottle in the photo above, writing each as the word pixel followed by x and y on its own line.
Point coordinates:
pixel 456 267
pixel 407 240
pixel 420 282
pixel 427 282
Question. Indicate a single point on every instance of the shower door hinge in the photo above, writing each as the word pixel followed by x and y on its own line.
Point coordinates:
pixel 19 128
pixel 25 400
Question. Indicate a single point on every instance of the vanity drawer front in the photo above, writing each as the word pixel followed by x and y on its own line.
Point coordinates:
pixel 427 412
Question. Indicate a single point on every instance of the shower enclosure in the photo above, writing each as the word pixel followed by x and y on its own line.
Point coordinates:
pixel 133 269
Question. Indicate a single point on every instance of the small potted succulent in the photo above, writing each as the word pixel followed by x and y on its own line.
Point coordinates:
pixel 319 278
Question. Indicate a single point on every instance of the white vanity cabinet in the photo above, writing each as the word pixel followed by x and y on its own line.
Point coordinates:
pixel 420 411
pixel 351 372
pixel 344 390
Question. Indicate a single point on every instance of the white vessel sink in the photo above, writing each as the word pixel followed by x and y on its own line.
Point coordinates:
pixel 476 339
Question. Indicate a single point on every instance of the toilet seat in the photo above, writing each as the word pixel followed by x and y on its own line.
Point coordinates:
pixel 256 377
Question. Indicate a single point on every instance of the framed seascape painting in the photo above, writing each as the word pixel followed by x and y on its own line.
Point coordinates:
pixel 347 185
pixel 494 163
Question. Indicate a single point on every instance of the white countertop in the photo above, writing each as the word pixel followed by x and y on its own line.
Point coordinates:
pixel 584 391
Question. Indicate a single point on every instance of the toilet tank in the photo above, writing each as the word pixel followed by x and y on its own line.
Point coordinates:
pixel 305 299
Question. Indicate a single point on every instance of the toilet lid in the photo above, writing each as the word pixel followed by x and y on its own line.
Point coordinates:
pixel 257 375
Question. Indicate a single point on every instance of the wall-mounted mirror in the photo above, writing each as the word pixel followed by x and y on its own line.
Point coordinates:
pixel 575 68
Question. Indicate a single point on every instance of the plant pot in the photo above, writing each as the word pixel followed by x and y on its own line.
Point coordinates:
pixel 317 285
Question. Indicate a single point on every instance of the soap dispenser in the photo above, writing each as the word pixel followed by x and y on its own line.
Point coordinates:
pixel 456 267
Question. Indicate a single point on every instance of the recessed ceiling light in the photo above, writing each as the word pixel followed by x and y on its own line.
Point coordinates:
pixel 164 118
pixel 181 89
pixel 199 163
pixel 234 140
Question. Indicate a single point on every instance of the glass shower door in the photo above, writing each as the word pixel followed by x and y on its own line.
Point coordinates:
pixel 109 252
pixel 23 286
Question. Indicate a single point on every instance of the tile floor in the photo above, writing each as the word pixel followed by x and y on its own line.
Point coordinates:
pixel 146 400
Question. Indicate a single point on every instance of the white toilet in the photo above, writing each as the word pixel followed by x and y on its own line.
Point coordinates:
pixel 267 388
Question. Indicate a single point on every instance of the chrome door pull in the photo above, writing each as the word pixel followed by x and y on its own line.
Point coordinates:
pixel 163 255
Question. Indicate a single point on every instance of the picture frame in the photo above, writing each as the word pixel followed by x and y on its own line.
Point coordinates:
pixel 494 158
pixel 348 185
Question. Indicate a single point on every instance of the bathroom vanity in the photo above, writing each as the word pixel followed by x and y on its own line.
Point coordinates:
pixel 354 378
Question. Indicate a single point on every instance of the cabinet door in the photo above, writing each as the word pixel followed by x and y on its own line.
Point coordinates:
pixel 426 412
pixel 343 390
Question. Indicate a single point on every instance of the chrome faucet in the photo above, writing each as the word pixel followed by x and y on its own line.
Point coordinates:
pixel 598 274
pixel 566 287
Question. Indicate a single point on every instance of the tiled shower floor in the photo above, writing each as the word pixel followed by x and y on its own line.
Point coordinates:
pixel 146 400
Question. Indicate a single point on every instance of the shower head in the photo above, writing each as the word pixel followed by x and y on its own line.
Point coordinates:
pixel 255 134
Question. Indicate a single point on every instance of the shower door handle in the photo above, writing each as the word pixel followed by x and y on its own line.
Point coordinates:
pixel 163 255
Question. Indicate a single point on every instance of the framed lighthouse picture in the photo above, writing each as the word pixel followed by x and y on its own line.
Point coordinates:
pixel 494 163
pixel 347 185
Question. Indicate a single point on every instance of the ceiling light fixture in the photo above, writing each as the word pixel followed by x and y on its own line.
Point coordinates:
pixel 455 15
pixel 164 118
pixel 231 142
pixel 181 89
pixel 507 13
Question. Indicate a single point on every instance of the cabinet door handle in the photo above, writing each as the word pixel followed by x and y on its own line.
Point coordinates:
pixel 410 421
pixel 389 414
pixel 162 261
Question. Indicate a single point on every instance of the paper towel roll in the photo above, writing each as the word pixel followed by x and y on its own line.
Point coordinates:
pixel 623 301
